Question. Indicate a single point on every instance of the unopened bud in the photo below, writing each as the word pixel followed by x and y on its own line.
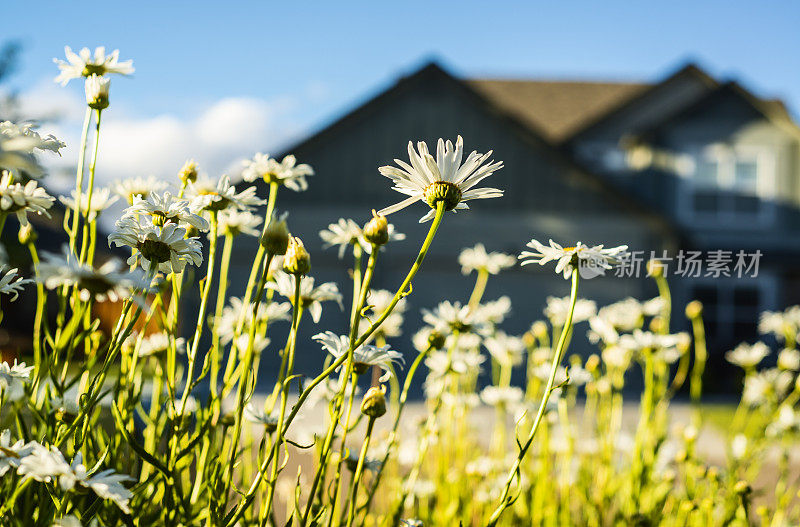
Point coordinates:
pixel 592 363
pixel 227 419
pixel 276 236
pixel 694 309
pixel 655 268
pixel 657 325
pixel 376 231
pixel 374 404
pixel 188 172
pixel 742 488
pixel 297 260
pixel 97 92
pixel 539 329
pixel 26 234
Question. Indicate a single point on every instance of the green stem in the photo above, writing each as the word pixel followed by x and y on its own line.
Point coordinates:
pixel 221 293
pixel 360 295
pixel 393 434
pixel 233 356
pixel 90 189
pixel 562 339
pixel 279 438
pixel 357 474
pixel 479 289
pixel 245 372
pixel 73 231
pixel 401 292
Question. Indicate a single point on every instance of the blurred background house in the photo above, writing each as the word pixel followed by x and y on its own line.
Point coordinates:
pixel 690 163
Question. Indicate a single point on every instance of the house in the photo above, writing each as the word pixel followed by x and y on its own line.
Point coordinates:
pixel 687 165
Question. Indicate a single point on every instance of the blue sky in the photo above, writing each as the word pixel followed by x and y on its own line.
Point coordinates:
pixel 302 64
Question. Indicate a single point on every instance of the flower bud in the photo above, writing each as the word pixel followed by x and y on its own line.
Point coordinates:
pixel 227 419
pixel 529 340
pixel 97 92
pixel 26 234
pixel 188 172
pixel 374 404
pixel 376 231
pixel 694 309
pixel 658 325
pixel 655 268
pixel 592 363
pixel 539 329
pixel 742 488
pixel 297 260
pixel 276 236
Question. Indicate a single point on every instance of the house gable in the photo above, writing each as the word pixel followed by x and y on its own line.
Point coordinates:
pixel 430 104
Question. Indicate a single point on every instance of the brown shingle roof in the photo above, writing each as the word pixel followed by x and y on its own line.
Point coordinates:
pixel 557 109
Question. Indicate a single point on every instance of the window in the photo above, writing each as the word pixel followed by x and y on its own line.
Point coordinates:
pixel 729 186
pixel 731 308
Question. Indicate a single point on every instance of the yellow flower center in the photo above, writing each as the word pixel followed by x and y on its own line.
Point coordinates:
pixel 442 191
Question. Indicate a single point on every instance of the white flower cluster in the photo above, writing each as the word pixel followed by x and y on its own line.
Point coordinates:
pixel 11 283
pixel 17 145
pixel 21 199
pixel 38 462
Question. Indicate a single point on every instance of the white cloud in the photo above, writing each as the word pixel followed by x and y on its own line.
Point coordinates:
pixel 133 144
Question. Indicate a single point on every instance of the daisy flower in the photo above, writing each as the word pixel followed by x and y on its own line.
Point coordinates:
pixel 27 139
pixel 766 386
pixel 17 145
pixel 254 415
pixel 83 64
pixel 558 308
pixel 347 232
pixel 589 261
pixel 11 283
pixel 477 259
pixel 493 312
pixel 442 179
pixel 789 359
pixel 10 455
pixel 505 396
pixel 101 200
pixel 235 222
pixel 154 344
pixel 21 199
pixel 48 465
pixel 747 356
pixel 138 186
pixel 268 312
pixel 505 349
pixel 97 88
pixel 640 340
pixel 344 233
pixel 364 356
pixel 111 281
pixel 448 317
pixel 221 195
pixel 782 324
pixel 164 249
pixel 440 362
pixel 351 461
pixel 287 172
pixel 617 357
pixel 13 378
pixel 166 208
pixel 311 297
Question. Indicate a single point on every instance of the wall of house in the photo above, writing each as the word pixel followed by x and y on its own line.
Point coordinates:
pixel 545 198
